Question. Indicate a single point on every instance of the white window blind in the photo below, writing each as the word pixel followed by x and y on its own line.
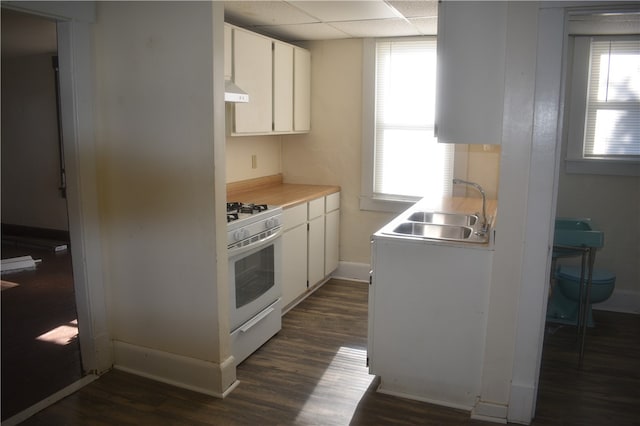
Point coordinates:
pixel 612 125
pixel 408 161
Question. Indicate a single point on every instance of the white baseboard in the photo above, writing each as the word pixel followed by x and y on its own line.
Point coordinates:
pixel 489 412
pixel 382 389
pixel 626 301
pixel 352 271
pixel 209 378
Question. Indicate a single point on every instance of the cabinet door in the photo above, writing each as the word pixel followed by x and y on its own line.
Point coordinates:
pixel 316 250
pixel 252 59
pixel 471 71
pixel 282 87
pixel 294 263
pixel 332 233
pixel 228 40
pixel 316 208
pixel 302 90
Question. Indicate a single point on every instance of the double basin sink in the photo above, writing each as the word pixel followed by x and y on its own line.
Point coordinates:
pixel 438 226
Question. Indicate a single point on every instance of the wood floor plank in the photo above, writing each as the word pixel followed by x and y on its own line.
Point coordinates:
pixel 313 372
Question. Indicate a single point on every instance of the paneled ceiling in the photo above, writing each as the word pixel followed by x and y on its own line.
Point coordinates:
pixel 325 20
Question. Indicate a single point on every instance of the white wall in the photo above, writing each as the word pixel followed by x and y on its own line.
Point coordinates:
pixel 30 152
pixel 240 149
pixel 331 153
pixel 160 178
pixel 483 167
pixel 512 207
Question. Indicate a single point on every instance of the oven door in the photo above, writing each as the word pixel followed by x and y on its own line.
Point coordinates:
pixel 255 277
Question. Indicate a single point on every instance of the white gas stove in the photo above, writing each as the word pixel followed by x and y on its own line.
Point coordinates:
pixel 255 275
pixel 250 223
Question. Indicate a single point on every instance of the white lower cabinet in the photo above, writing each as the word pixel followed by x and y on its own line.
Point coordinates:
pixel 294 253
pixel 316 241
pixel 309 245
pixel 427 319
pixel 331 233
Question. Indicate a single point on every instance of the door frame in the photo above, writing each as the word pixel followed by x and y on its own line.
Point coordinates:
pixel 75 54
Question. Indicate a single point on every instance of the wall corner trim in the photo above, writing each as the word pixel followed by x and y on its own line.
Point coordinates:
pixel 490 412
pixel 521 401
pixel 352 271
pixel 205 377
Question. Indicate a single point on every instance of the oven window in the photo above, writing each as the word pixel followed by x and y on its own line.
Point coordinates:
pixel 254 276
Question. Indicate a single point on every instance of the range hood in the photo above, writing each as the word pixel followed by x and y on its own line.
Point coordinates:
pixel 233 93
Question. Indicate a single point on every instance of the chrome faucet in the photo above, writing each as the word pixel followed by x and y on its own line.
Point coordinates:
pixel 485 222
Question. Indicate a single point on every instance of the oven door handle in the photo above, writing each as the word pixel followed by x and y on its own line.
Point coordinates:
pixel 234 251
pixel 255 320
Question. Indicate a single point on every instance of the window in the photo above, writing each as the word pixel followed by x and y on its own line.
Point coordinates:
pixel 604 127
pixel 402 160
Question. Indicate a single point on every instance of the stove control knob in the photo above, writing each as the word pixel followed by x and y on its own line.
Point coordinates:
pixel 271 223
pixel 240 234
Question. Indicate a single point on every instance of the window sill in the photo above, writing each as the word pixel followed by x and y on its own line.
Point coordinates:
pixel 603 167
pixel 385 205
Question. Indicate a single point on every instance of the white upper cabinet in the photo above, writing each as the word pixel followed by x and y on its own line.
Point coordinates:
pixel 302 90
pixel 253 72
pixel 228 40
pixel 471 71
pixel 282 87
pixel 277 77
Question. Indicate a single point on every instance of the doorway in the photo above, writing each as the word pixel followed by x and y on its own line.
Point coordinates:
pixel 40 345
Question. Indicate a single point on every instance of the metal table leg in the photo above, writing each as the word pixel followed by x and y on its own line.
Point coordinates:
pixel 591 253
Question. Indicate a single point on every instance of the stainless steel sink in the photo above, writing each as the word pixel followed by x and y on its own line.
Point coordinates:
pixel 434 231
pixel 444 218
pixel 418 222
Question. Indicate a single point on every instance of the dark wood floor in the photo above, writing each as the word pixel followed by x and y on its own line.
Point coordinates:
pixel 606 390
pixel 313 372
pixel 44 300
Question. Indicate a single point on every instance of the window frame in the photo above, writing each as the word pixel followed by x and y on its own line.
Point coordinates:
pixel 575 161
pixel 369 200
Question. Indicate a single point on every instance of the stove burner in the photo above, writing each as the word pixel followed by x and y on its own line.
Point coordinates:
pixel 252 208
pixel 233 207
pixel 231 217
pixel 236 208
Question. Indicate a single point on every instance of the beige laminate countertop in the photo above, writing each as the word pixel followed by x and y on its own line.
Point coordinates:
pixel 271 190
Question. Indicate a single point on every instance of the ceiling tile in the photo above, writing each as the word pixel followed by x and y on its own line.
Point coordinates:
pixel 377 28
pixel 426 26
pixel 335 11
pixel 301 32
pixel 318 20
pixel 416 9
pixel 264 13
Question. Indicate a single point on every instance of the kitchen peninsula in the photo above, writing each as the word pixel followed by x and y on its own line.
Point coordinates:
pixel 431 294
